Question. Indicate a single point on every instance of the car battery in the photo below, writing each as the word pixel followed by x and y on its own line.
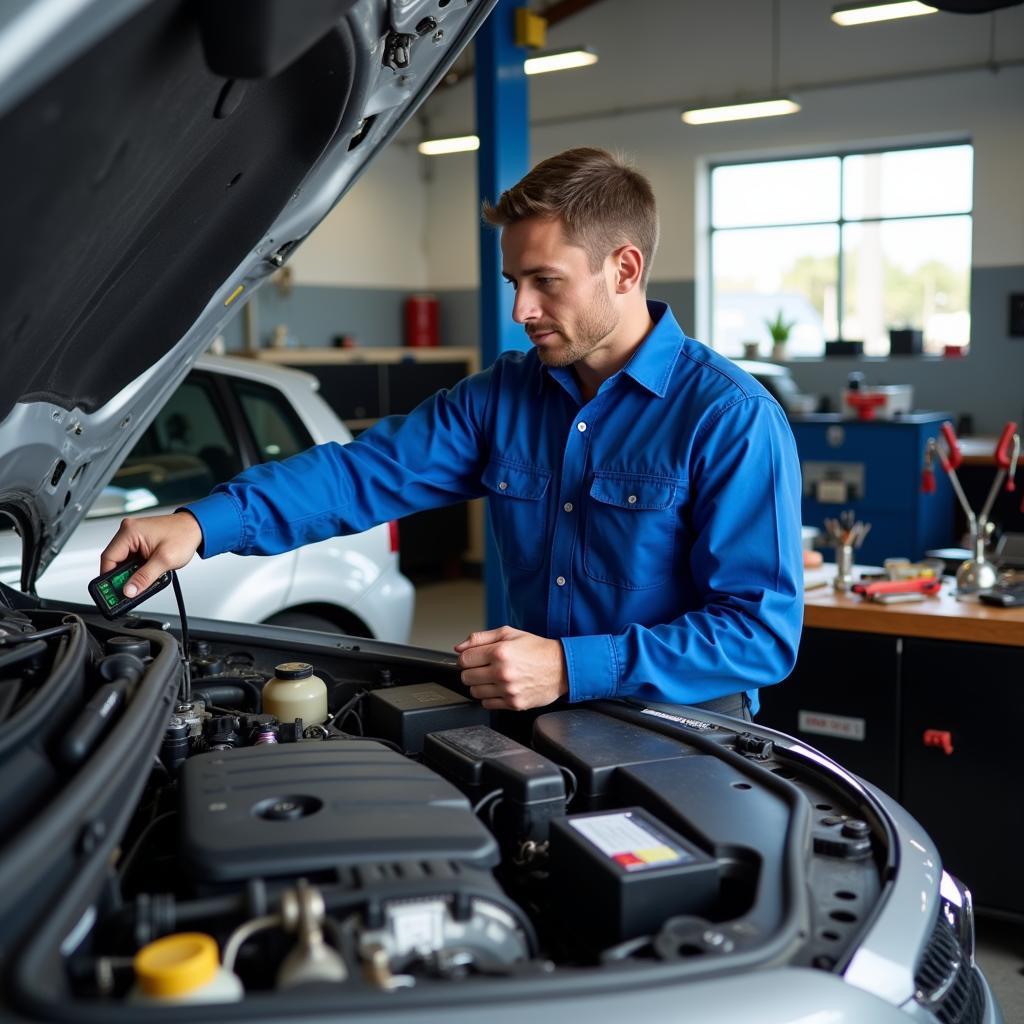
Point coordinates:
pixel 405 714
pixel 481 762
pixel 621 874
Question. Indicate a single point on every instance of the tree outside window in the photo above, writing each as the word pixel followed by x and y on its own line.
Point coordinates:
pixel 849 246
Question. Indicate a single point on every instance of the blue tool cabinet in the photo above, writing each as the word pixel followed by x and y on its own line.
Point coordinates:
pixel 874 468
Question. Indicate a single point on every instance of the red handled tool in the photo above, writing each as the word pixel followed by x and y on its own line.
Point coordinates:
pixel 1007 456
pixel 924 585
pixel 949 459
pixel 976 573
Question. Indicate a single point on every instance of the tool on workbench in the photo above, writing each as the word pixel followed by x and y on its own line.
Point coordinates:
pixel 845 535
pixel 976 573
pixel 886 590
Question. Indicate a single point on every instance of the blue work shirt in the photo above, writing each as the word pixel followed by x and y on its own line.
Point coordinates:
pixel 654 530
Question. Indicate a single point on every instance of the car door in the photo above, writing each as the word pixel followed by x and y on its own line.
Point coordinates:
pixel 344 571
pixel 194 443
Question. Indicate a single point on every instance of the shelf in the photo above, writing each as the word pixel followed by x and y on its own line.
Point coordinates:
pixel 371 354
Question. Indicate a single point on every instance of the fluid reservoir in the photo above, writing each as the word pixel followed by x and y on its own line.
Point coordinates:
pixel 295 692
pixel 183 968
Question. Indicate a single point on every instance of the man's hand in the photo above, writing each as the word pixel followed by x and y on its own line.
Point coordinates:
pixel 510 670
pixel 166 542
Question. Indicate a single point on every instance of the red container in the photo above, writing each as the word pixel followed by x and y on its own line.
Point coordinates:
pixel 422 316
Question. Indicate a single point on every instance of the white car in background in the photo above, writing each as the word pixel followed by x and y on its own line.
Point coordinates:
pixel 230 413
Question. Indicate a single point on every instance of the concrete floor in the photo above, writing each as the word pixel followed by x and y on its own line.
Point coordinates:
pixel 446 612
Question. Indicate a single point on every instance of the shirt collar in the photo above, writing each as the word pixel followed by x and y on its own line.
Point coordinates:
pixel 650 365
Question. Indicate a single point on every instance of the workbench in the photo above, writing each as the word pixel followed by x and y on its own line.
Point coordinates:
pixel 942 617
pixel 926 701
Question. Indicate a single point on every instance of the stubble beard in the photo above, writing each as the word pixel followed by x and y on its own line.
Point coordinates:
pixel 591 327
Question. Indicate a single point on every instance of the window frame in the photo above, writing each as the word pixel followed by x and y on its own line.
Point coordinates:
pixel 842 153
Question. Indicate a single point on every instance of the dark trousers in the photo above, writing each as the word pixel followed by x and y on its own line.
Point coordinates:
pixel 735 704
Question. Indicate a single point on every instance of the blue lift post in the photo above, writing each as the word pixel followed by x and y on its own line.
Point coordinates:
pixel 502 104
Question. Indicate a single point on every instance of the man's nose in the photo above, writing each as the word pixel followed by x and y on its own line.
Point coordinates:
pixel 524 307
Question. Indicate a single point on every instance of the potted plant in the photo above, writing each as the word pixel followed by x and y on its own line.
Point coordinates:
pixel 779 329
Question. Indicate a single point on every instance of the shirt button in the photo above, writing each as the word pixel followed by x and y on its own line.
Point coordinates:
pixel 567 506
pixel 503 486
pixel 632 499
pixel 581 427
pixel 560 580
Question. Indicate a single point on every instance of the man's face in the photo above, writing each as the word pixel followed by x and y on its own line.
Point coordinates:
pixel 566 308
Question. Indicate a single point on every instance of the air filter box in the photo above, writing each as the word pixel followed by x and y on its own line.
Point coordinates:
pixel 621 874
pixel 405 714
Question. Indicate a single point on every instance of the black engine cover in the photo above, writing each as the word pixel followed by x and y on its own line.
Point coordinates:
pixel 302 807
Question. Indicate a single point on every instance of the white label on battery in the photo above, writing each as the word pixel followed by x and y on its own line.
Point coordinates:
pixel 417 926
pixel 831 725
pixel 628 842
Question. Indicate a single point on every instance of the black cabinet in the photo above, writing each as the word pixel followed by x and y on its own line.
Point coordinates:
pixel 934 723
pixel 353 391
pixel 963 719
pixel 843 697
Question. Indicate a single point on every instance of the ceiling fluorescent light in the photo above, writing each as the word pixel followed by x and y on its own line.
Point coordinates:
pixel 441 147
pixel 741 111
pixel 561 60
pixel 865 13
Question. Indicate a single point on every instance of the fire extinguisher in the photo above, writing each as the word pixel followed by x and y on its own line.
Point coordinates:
pixel 422 320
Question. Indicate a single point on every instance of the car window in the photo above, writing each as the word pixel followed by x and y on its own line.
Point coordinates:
pixel 275 425
pixel 185 450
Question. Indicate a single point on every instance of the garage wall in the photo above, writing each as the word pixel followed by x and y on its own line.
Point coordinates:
pixel 982 107
pixel 354 271
pixel 352 274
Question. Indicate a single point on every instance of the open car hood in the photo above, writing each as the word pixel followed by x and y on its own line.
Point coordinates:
pixel 161 159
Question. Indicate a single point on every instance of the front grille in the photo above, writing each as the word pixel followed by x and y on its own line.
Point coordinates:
pixel 944 980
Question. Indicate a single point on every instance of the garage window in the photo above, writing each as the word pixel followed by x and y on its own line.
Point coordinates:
pixel 846 246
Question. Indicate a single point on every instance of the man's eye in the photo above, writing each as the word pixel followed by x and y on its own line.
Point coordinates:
pixel 546 280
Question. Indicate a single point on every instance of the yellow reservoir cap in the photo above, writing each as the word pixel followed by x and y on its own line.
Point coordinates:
pixel 176 964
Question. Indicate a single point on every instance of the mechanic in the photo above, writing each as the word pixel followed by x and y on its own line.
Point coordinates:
pixel 644 491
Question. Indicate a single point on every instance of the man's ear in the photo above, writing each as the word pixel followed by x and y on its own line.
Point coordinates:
pixel 628 263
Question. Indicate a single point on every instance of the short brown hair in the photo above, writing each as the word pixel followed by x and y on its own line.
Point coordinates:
pixel 601 200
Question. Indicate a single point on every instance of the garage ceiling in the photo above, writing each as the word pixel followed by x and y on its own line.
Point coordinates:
pixel 664 52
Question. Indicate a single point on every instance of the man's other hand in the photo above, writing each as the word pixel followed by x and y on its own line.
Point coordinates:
pixel 507 669
pixel 165 542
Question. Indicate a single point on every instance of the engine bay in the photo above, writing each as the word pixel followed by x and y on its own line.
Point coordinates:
pixel 409 841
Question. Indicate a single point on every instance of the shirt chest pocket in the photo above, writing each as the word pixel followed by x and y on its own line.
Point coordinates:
pixel 631 529
pixel 517 500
